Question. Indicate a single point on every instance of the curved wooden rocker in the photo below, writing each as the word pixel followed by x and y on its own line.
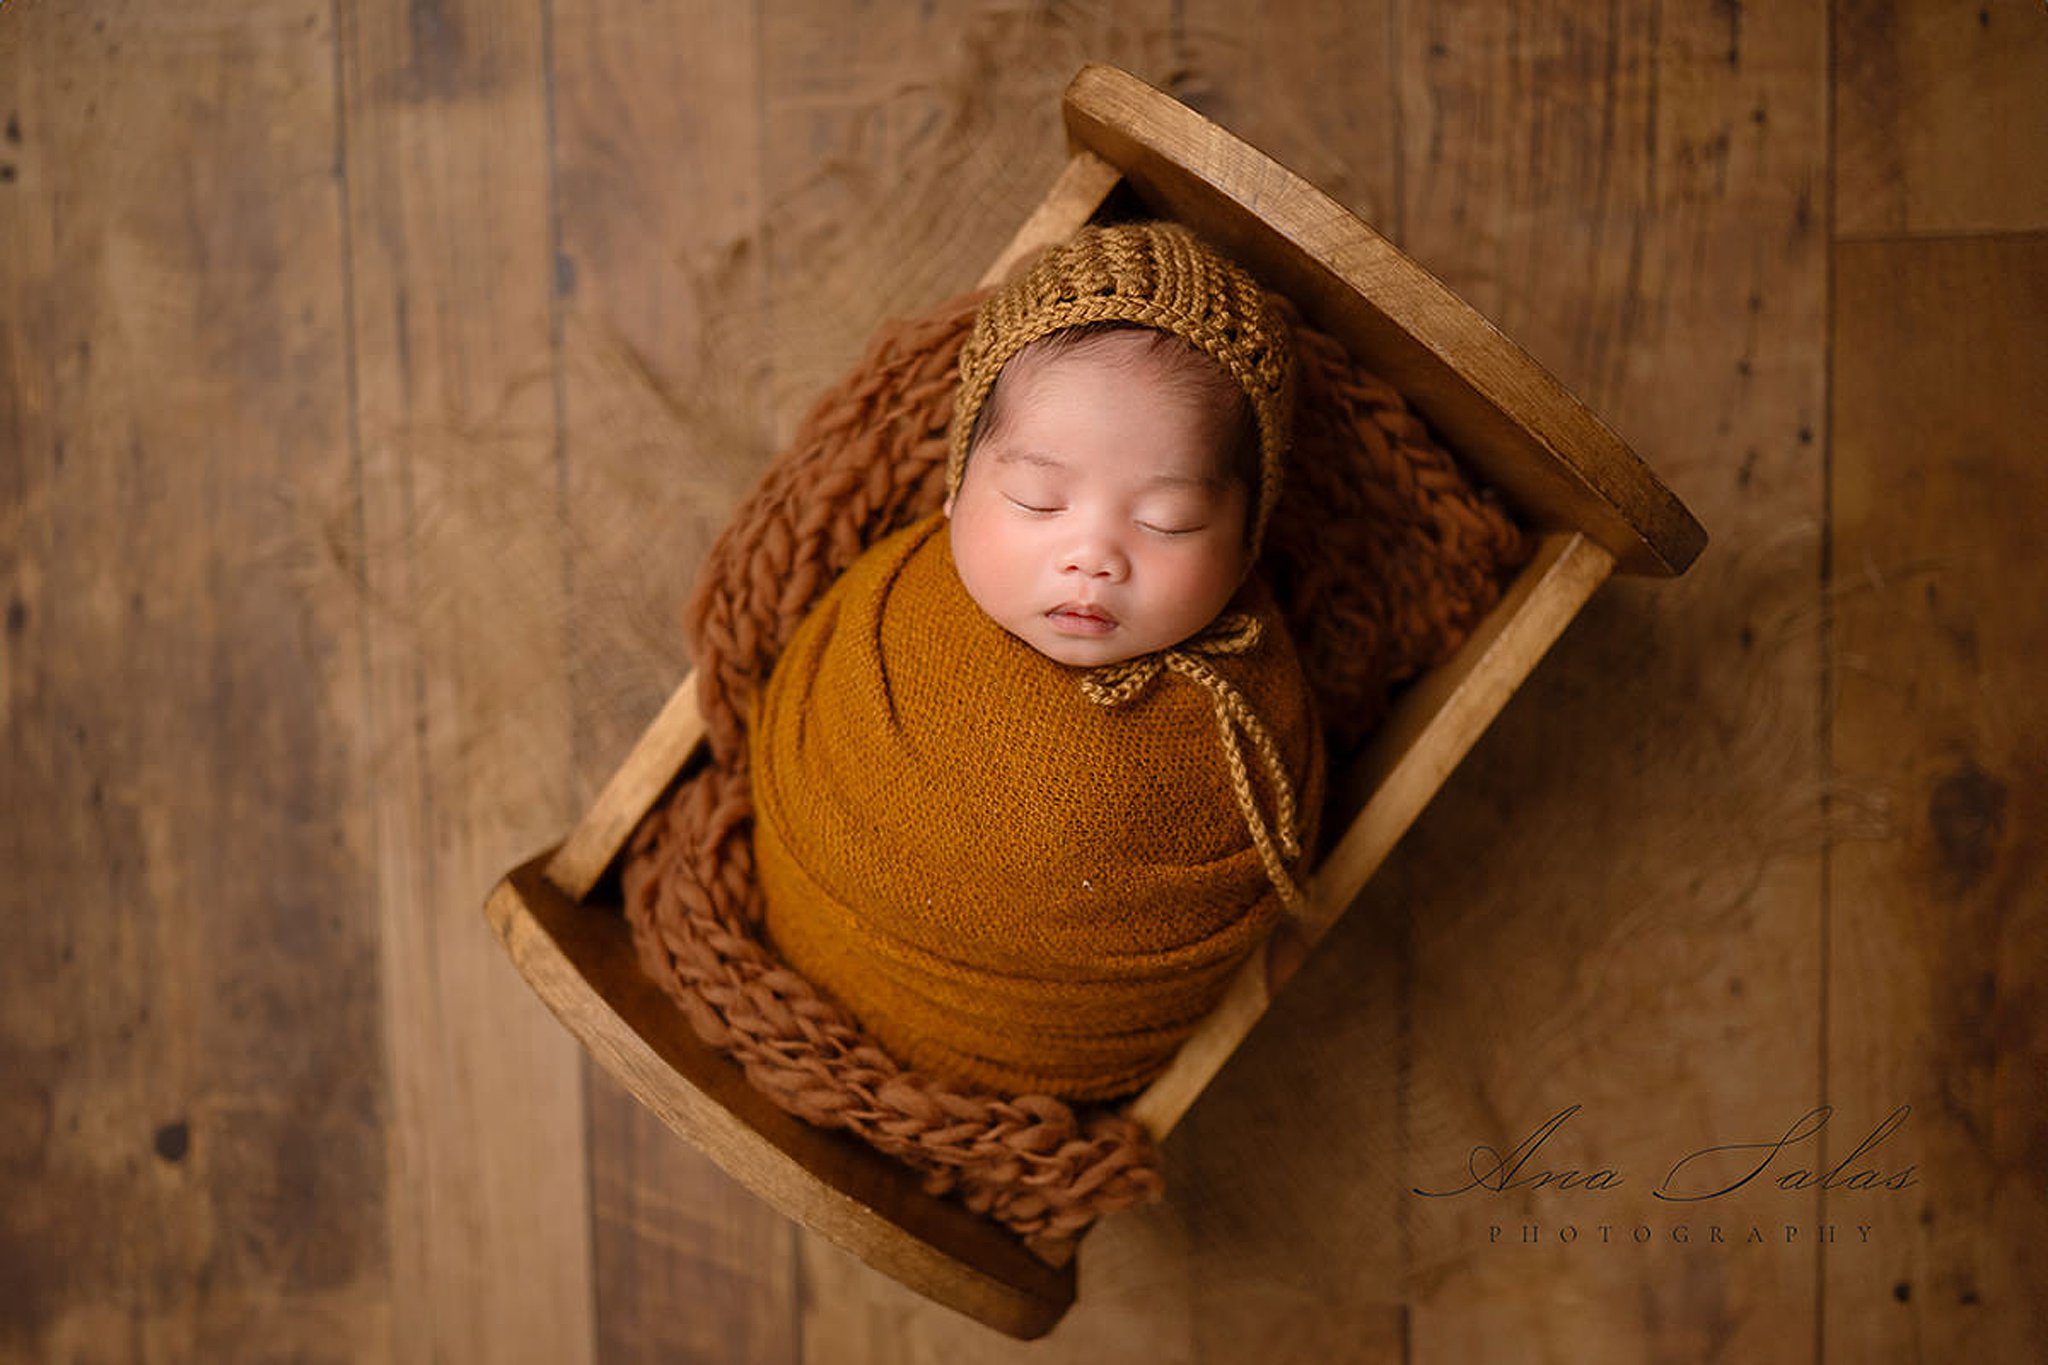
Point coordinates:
pixel 1597 508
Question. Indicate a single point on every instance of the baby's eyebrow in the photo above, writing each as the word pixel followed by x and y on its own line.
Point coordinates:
pixel 1008 456
pixel 1044 461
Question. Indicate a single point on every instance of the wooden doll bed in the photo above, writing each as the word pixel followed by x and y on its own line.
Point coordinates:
pixel 1595 507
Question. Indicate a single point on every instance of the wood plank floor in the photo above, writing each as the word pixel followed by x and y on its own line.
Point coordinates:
pixel 374 375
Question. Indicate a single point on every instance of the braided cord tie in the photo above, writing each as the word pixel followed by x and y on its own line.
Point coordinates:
pixel 1232 633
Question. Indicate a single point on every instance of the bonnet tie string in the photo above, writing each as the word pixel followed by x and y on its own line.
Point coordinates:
pixel 1231 633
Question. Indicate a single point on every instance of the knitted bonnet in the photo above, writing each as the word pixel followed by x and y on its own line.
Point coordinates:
pixel 1158 274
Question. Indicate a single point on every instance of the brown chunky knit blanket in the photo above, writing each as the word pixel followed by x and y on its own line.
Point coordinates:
pixel 1381 553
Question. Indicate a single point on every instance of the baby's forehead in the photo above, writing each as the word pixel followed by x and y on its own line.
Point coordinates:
pixel 1138 355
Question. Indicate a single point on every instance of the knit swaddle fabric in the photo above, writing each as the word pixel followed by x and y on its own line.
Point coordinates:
pixel 1010 884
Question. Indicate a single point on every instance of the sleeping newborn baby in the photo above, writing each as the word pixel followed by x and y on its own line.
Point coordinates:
pixel 1039 770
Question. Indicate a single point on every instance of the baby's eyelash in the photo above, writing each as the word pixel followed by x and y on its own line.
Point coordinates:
pixel 1156 530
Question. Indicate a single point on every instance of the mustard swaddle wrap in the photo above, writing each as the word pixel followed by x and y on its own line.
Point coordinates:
pixel 1011 883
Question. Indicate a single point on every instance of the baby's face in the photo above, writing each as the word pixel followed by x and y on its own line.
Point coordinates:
pixel 1102 490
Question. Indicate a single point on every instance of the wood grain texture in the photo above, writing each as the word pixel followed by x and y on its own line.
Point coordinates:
pixel 1622 878
pixel 1601 185
pixel 1657 962
pixel 663 374
pixel 193 1096
pixel 665 748
pixel 1937 991
pixel 1941 117
pixel 446 178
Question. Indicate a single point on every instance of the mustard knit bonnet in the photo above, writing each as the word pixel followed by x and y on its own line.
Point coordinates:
pixel 1161 275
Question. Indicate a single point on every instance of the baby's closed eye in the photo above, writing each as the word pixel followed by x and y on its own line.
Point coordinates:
pixel 1164 530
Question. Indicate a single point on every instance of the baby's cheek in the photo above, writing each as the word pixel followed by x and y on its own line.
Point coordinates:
pixel 1217 572
pixel 988 562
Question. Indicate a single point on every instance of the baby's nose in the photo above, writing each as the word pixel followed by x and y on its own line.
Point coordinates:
pixel 1096 562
